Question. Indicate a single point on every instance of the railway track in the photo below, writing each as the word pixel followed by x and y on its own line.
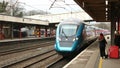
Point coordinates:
pixel 28 55
pixel 25 48
pixel 67 59
pixel 38 61
pixel 36 57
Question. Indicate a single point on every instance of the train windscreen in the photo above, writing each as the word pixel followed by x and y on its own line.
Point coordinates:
pixel 68 30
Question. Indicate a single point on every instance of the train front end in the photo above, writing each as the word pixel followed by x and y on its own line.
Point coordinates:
pixel 67 40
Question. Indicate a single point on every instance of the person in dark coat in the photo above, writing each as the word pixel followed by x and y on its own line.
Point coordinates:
pixel 102 45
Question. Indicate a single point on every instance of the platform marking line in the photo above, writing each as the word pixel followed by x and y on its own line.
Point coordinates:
pixel 100 62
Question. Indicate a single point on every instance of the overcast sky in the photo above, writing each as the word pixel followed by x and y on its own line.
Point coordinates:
pixel 58 7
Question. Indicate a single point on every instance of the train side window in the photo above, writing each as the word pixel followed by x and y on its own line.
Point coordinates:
pixel 84 33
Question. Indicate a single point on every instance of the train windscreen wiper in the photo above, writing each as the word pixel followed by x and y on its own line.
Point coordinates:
pixel 64 34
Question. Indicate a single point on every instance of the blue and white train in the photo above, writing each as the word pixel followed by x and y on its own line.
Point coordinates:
pixel 71 34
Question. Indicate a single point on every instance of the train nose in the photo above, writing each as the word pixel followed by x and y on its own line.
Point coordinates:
pixel 59 47
pixel 56 47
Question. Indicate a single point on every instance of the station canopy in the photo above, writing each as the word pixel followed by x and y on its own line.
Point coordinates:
pixel 101 10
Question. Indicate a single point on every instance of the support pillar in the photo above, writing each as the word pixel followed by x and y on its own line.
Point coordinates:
pixel 12 31
pixel 1 28
pixel 113 22
pixel 119 25
pixel 20 33
pixel 39 32
pixel 113 28
pixel 50 31
pixel 45 32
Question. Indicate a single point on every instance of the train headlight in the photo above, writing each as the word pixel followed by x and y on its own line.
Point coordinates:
pixel 75 39
pixel 58 38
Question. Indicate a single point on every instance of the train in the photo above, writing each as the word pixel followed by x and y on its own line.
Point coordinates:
pixel 72 34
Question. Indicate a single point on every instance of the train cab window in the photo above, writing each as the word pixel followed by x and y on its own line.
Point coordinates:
pixel 68 30
pixel 88 31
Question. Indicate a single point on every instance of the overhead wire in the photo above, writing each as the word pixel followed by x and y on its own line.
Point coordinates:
pixel 52 4
pixel 69 5
pixel 49 8
pixel 39 9
pixel 55 4
pixel 72 8
pixel 58 5
pixel 63 7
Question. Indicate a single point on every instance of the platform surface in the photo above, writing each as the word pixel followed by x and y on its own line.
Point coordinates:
pixel 111 63
pixel 94 60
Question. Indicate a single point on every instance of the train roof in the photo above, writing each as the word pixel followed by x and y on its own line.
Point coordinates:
pixel 71 21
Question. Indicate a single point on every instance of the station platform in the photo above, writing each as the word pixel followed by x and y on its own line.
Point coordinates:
pixel 90 58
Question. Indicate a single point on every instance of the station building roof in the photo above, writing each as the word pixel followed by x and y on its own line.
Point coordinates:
pixel 23 20
pixel 56 18
pixel 101 10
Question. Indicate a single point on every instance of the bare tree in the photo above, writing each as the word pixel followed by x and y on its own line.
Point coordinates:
pixel 36 12
pixel 3 6
pixel 17 10
pixel 6 7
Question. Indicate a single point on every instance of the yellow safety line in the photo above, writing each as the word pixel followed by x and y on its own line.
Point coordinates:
pixel 100 62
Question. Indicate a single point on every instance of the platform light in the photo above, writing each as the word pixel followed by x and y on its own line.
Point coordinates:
pixel 106 16
pixel 106 2
pixel 106 9
pixel 83 4
pixel 106 13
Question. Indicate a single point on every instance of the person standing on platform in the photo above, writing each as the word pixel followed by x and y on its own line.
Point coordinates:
pixel 102 45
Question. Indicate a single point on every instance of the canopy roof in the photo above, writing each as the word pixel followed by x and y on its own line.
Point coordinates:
pixel 101 10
